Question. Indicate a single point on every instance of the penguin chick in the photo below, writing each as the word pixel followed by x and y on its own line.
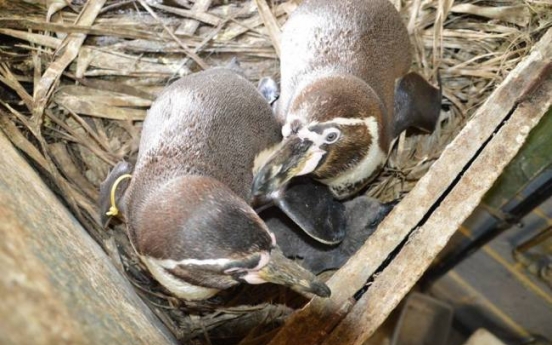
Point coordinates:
pixel 363 214
pixel 345 95
pixel 185 206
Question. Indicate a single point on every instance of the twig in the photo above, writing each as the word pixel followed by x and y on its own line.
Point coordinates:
pixel 184 47
pixel 270 23
pixel 71 46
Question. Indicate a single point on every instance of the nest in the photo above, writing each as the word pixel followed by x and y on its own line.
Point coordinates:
pixel 78 77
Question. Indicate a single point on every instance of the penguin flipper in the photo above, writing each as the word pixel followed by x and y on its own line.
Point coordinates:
pixel 417 104
pixel 120 169
pixel 270 91
pixel 314 209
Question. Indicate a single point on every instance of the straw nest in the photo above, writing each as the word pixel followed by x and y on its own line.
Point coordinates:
pixel 77 78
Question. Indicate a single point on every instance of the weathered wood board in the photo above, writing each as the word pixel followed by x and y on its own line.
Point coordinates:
pixel 57 285
pixel 534 158
pixel 431 212
pixel 483 337
pixel 428 240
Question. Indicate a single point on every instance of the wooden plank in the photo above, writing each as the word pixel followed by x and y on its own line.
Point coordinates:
pixel 57 284
pixel 426 242
pixel 533 158
pixel 483 337
pixel 314 322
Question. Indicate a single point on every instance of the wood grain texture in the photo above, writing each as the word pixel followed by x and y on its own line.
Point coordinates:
pixel 483 337
pixel 317 320
pixel 57 285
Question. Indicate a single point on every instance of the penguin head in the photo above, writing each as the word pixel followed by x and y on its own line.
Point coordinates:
pixel 332 131
pixel 197 237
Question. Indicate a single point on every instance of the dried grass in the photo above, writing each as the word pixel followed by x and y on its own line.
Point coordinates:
pixel 76 79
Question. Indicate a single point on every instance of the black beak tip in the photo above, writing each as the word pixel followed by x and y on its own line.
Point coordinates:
pixel 257 191
pixel 321 289
pixel 261 186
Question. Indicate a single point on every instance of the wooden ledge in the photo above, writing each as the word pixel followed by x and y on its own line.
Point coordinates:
pixel 431 212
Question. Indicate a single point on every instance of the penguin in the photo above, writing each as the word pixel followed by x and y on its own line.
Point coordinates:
pixel 186 203
pixel 346 94
pixel 362 215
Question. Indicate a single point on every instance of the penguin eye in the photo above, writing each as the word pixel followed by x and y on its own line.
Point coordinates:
pixel 332 137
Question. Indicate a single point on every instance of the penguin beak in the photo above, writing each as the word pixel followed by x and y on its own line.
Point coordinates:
pixel 281 270
pixel 294 157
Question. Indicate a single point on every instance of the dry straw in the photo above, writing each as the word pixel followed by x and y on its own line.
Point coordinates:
pixel 77 77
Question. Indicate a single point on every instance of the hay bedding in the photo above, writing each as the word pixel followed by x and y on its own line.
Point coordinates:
pixel 76 84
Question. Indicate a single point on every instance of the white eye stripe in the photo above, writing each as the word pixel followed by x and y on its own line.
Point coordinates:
pixel 345 121
pixel 286 130
pixel 335 121
pixel 177 286
pixel 319 139
pixel 306 134
pixel 171 264
pixel 369 163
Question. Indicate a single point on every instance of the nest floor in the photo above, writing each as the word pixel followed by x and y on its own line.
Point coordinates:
pixel 75 89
